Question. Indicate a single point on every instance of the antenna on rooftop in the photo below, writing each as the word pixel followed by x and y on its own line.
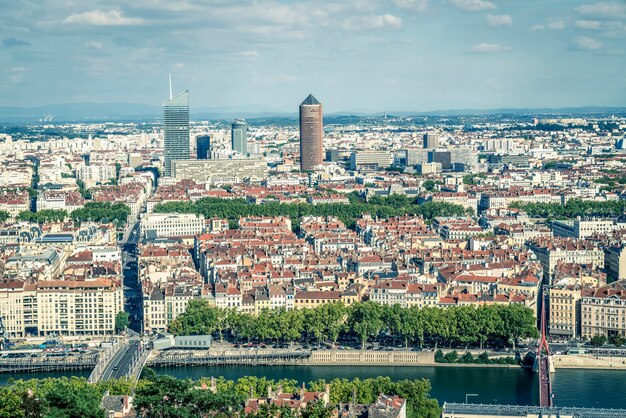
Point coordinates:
pixel 170 86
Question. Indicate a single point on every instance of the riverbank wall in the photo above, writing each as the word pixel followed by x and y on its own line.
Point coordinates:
pixel 384 358
pixel 588 361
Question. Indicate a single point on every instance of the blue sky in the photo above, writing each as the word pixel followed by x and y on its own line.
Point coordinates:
pixel 353 55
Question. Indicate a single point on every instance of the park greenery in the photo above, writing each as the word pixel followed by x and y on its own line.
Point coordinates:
pixel 468 358
pixel 612 183
pixel 233 209
pixel 163 396
pixel 462 326
pixel 92 211
pixel 102 212
pixel 57 397
pixel 167 397
pixel 572 209
pixel 4 215
pixel 42 216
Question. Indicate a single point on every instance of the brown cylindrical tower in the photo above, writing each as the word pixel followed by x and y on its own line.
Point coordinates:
pixel 311 132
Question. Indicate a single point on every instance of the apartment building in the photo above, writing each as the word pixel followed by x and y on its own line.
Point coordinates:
pixel 60 307
pixel 615 261
pixel 14 202
pixel 159 225
pixel 370 160
pixel 564 310
pixel 550 251
pixel 165 304
pixel 220 171
pixel 583 228
pixel 60 200
pixel 603 311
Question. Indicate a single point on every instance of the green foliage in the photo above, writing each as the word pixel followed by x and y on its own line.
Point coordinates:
pixel 617 340
pixel 57 397
pixel 470 179
pixel 167 397
pixel 234 209
pixel 598 340
pixel 102 212
pixel 42 216
pixel 462 326
pixel 451 357
pixel 121 321
pixel 4 216
pixel 85 193
pixel 428 185
pixel 572 209
pixel 468 358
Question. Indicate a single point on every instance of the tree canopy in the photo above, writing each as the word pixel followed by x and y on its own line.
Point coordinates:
pixel 234 209
pixel 102 212
pixel 460 326
pixel 572 209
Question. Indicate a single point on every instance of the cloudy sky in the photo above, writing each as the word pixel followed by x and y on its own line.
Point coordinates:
pixel 359 55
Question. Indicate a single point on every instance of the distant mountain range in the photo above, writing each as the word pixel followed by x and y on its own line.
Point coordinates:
pixel 102 112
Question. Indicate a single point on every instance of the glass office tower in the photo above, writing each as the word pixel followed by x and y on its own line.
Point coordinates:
pixel 239 136
pixel 176 130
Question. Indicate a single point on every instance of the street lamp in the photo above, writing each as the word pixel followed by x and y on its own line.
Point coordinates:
pixel 467 395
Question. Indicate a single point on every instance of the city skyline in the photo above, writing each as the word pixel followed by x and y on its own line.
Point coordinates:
pixel 413 55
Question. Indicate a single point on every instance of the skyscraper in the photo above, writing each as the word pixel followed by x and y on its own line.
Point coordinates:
pixel 311 132
pixel 431 141
pixel 239 138
pixel 203 147
pixel 176 130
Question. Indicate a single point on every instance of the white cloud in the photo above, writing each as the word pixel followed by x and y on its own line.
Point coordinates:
pixel 17 74
pixel 411 5
pixel 372 22
pixel 557 25
pixel 585 42
pixel 538 27
pixel 94 45
pixel 613 27
pixel 486 48
pixel 473 5
pixel 283 78
pixel 587 24
pixel 251 53
pixel 499 20
pixel 102 18
pixel 606 9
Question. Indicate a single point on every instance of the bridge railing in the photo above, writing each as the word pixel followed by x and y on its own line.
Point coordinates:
pixel 103 360
pixel 137 365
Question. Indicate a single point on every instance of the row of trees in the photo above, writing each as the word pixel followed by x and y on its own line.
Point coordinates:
pixel 166 397
pixel 102 212
pixel 62 397
pixel 92 211
pixel 572 209
pixel 459 326
pixel 383 208
pixel 42 216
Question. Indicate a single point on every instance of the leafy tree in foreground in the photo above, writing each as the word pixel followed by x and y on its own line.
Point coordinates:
pixel 121 321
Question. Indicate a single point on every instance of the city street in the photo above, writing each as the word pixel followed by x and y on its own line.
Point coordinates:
pixel 132 288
